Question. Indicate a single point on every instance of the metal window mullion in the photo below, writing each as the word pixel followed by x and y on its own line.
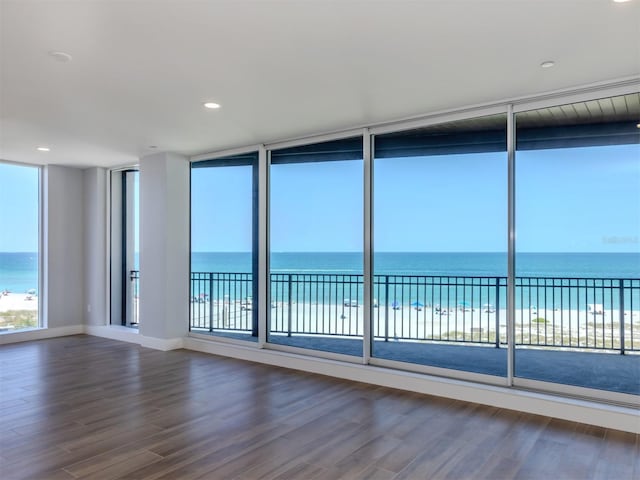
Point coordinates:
pixel 511 244
pixel 367 141
pixel 42 231
pixel 264 301
pixel 123 248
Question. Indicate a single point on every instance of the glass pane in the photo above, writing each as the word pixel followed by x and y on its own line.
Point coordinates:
pixel 132 205
pixel 136 219
pixel 440 238
pixel 19 250
pixel 316 247
pixel 578 248
pixel 125 246
pixel 223 262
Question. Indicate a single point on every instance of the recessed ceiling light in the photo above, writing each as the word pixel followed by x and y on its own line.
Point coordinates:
pixel 62 57
pixel 547 64
pixel 43 149
pixel 621 1
pixel 638 125
pixel 211 105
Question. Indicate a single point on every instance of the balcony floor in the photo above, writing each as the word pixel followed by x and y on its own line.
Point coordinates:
pixel 599 370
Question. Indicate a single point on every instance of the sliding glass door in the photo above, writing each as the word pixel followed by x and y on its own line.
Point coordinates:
pixel 577 306
pixel 316 247
pixel 449 208
pixel 125 247
pixel 440 238
pixel 224 205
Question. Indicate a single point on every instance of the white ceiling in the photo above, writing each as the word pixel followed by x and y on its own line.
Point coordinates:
pixel 280 69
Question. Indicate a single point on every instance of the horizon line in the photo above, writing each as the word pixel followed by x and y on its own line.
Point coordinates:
pixel 443 251
pixel 356 252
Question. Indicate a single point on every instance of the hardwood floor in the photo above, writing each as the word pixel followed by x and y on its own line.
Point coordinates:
pixel 86 407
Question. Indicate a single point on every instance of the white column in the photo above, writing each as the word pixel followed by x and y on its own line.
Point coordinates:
pixel 64 287
pixel 164 250
pixel 95 245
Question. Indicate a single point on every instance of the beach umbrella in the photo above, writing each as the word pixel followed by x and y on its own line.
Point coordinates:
pixel 417 304
pixel 31 291
pixel 464 304
pixel 395 304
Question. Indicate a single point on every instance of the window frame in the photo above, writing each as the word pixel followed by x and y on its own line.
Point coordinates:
pixel 42 320
pixel 257 242
pixel 509 106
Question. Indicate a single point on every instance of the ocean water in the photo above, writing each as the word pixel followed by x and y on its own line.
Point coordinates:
pixel 19 271
pixel 565 265
pixel 443 291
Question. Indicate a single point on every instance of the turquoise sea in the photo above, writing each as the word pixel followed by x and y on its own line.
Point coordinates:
pixel 566 265
pixel 324 289
pixel 404 290
pixel 19 271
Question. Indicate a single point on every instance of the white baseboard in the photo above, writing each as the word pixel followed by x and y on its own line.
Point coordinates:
pixel 163 344
pixel 132 335
pixel 114 332
pixel 40 334
pixel 582 411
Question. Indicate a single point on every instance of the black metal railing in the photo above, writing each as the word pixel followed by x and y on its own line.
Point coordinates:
pixel 221 301
pixel 316 304
pixel 439 308
pixel 594 313
pixel 568 313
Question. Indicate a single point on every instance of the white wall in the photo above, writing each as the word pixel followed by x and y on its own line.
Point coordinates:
pixel 64 253
pixel 95 245
pixel 164 248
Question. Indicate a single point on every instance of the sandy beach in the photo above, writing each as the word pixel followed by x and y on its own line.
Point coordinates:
pixel 18 311
pixel 18 301
pixel 535 326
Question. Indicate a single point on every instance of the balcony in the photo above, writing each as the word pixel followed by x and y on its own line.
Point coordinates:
pixel 573 331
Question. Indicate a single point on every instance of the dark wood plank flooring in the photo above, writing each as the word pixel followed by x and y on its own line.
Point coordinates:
pixel 86 407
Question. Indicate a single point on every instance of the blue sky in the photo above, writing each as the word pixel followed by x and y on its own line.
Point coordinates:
pixel 316 207
pixel 579 200
pixel 221 209
pixel 448 203
pixel 18 208
pixel 568 200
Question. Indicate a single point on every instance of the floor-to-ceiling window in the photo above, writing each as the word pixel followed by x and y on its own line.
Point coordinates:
pixel 224 198
pixel 125 247
pixel 316 222
pixel 452 204
pixel 19 246
pixel 440 245
pixel 577 302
